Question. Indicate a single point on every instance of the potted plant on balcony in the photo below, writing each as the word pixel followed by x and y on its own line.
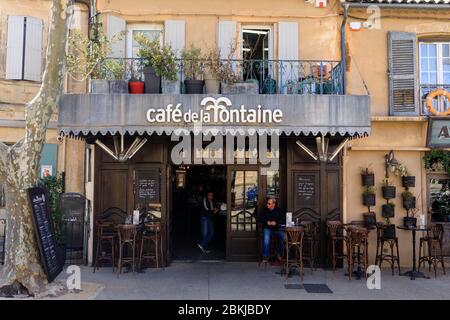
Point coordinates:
pixel 159 61
pixel 88 59
pixel 136 85
pixel 213 71
pixel 117 82
pixel 387 189
pixel 193 70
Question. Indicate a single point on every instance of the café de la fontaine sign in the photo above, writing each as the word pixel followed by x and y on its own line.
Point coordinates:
pixel 215 111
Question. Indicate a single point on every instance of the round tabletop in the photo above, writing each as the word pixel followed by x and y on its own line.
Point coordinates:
pixel 410 228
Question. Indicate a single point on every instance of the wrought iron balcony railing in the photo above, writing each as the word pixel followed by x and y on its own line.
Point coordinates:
pixel 270 76
pixel 440 104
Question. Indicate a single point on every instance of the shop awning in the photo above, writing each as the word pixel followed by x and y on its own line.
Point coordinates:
pixel 83 114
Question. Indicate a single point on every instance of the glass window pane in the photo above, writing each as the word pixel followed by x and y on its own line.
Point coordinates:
pixel 423 50
pixel 432 77
pixel 446 64
pixel 251 188
pixel 446 50
pixel 432 64
pixel 237 190
pixel 423 64
pixel 432 50
pixel 440 199
pixel 446 78
pixel 424 78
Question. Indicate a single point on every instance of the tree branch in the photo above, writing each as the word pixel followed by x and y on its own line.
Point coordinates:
pixel 3 160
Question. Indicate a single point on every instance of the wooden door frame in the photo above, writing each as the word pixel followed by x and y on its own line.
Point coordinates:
pixel 261 194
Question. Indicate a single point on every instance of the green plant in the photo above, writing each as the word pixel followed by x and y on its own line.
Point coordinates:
pixel 116 70
pixel 369 190
pixel 399 170
pixel 366 170
pixel 89 58
pixel 54 187
pixel 407 194
pixel 391 204
pixel 159 57
pixel 385 182
pixel 437 159
pixel 193 62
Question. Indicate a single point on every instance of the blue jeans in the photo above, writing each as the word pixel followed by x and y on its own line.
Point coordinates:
pixel 207 230
pixel 280 235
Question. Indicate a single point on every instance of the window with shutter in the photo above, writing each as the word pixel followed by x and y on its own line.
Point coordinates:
pixel 402 74
pixel 24 48
pixel 287 52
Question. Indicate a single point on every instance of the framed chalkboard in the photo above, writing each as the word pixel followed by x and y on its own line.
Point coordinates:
pixel 52 262
pixel 305 189
pixel 147 186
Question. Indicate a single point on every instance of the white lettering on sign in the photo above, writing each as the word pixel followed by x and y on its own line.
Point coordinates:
pixel 216 111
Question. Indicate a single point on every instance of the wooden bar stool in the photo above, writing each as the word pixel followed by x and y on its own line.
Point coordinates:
pixel 433 239
pixel 309 242
pixel 127 239
pixel 335 235
pixel 105 237
pixel 393 242
pixel 357 250
pixel 294 250
pixel 152 237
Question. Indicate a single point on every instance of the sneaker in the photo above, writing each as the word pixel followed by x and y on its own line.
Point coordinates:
pixel 203 249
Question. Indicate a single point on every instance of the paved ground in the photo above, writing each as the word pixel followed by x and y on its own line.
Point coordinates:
pixel 229 280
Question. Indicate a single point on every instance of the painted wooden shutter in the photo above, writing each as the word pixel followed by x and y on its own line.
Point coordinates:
pixel 226 34
pixel 287 50
pixel 115 26
pixel 14 48
pixel 33 49
pixel 174 31
pixel 402 74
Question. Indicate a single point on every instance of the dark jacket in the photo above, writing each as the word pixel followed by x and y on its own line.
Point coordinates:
pixel 207 209
pixel 275 215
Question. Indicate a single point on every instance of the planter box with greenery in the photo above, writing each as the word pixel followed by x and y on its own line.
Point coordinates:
pixel 388 210
pixel 389 230
pixel 193 70
pixel 409 222
pixel 369 198
pixel 409 200
pixel 370 219
pixel 408 181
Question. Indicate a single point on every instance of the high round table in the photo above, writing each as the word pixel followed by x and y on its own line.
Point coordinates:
pixel 414 273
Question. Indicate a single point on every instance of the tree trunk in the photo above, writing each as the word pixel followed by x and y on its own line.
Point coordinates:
pixel 19 164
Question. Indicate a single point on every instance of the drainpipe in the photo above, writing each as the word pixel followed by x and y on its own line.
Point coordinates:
pixel 343 51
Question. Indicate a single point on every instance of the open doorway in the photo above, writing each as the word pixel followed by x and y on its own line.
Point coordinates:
pixel 190 186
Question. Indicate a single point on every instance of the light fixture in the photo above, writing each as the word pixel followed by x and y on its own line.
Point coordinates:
pixel 322 149
pixel 119 152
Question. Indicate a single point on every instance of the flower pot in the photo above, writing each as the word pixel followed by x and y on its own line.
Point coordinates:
pixel 212 84
pixel 409 203
pixel 152 81
pixel 118 86
pixel 409 222
pixel 194 86
pixel 368 179
pixel 98 86
pixel 240 88
pixel 387 211
pixel 370 219
pixel 170 86
pixel 136 87
pixel 389 231
pixel 388 192
pixel 409 181
pixel 369 200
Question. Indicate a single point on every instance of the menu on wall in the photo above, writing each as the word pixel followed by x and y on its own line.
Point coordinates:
pixel 305 189
pixel 148 186
pixel 51 260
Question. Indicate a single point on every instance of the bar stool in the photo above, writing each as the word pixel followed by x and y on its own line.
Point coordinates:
pixel 434 248
pixel 393 242
pixel 357 249
pixel 127 239
pixel 335 235
pixel 294 249
pixel 105 237
pixel 310 232
pixel 152 237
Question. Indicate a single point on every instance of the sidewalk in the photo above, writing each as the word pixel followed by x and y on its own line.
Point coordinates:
pixel 238 280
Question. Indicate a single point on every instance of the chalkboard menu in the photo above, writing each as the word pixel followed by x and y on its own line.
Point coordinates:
pixel 45 234
pixel 148 186
pixel 305 189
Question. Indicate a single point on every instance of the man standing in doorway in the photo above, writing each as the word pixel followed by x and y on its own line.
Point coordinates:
pixel 208 209
pixel 271 219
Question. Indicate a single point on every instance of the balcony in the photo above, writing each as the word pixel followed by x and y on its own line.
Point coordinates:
pixel 265 76
pixel 440 104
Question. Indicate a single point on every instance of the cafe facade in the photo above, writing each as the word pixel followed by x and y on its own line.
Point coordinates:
pixel 362 77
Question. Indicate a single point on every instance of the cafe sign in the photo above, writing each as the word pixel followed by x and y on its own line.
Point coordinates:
pixel 438 132
pixel 215 110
